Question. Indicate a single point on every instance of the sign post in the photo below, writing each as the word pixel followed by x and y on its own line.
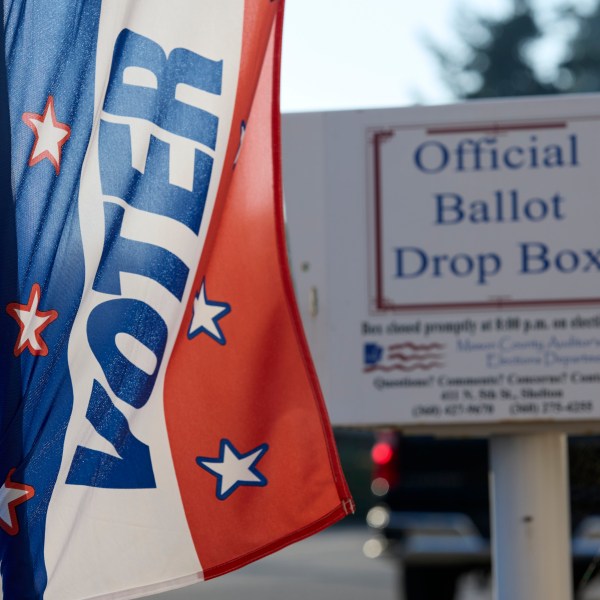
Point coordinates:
pixel 530 516
pixel 450 285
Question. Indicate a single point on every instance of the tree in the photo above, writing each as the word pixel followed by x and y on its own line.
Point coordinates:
pixel 580 71
pixel 496 63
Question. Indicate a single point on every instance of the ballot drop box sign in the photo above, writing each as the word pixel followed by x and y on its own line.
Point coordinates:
pixel 447 260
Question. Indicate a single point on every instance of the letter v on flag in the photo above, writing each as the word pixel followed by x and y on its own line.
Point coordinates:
pixel 162 422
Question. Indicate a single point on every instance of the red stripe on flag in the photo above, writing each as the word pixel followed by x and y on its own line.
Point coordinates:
pixel 259 387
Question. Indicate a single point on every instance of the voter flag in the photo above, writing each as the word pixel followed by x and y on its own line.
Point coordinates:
pixel 161 422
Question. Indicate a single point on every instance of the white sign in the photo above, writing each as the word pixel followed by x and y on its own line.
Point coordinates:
pixel 447 260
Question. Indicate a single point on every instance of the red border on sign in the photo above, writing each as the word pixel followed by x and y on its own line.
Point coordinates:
pixel 382 304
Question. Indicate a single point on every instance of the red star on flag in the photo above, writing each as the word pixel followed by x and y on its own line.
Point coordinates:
pixel 11 495
pixel 32 322
pixel 50 135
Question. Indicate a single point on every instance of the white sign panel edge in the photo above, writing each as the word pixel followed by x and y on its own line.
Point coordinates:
pixel 330 184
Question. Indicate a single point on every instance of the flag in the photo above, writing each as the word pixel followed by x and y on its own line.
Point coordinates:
pixel 161 419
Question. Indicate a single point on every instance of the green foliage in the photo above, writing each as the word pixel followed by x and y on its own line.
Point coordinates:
pixel 496 62
pixel 580 71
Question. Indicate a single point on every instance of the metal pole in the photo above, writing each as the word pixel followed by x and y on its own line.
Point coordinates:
pixel 529 491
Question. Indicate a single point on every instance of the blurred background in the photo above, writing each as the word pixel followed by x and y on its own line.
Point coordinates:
pixel 353 54
pixel 343 54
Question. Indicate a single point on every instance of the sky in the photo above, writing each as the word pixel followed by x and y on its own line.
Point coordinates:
pixel 346 54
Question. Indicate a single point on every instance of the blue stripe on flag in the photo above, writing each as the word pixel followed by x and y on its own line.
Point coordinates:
pixel 59 63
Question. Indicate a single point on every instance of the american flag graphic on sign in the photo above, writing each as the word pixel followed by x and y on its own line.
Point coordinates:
pixel 403 356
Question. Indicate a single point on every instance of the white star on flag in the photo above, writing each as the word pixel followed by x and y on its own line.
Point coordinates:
pixel 32 322
pixel 234 469
pixel 50 135
pixel 206 316
pixel 11 495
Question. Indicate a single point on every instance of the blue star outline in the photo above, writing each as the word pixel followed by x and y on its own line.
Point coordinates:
pixel 226 484
pixel 206 316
